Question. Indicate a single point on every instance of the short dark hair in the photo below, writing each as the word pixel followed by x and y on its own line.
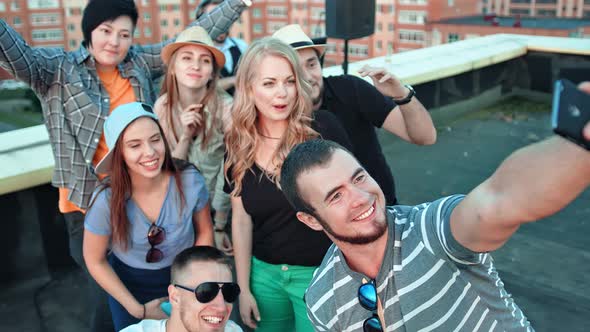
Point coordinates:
pixel 197 254
pixel 99 11
pixel 203 5
pixel 303 157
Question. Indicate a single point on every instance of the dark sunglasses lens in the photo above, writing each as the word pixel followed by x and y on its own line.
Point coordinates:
pixel 156 235
pixel 368 296
pixel 372 325
pixel 230 292
pixel 206 292
pixel 154 255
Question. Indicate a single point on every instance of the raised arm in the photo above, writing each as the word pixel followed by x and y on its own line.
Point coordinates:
pixel 532 183
pixel 410 121
pixel 216 22
pixel 33 66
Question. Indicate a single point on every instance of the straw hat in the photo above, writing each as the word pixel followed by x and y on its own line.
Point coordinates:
pixel 293 35
pixel 115 125
pixel 193 36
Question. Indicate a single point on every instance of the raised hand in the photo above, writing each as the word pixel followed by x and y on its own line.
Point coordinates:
pixel 191 120
pixel 384 81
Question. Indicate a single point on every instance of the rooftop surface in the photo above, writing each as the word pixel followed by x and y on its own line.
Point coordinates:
pixel 545 264
pixel 549 23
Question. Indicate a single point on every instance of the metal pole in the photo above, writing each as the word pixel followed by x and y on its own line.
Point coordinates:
pixel 345 63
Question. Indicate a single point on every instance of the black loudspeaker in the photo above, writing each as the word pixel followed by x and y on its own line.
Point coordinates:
pixel 350 19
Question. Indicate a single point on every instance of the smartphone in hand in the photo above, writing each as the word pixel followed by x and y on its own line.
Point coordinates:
pixel 571 112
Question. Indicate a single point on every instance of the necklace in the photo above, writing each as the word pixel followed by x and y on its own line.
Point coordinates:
pixel 269 137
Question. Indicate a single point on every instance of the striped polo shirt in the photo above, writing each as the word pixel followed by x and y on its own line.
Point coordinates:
pixel 427 281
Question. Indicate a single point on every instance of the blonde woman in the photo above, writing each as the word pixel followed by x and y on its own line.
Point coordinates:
pixel 192 112
pixel 275 253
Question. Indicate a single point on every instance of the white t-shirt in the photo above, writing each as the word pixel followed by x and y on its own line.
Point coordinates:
pixel 151 325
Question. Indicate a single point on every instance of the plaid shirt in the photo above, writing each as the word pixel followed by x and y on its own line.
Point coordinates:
pixel 74 102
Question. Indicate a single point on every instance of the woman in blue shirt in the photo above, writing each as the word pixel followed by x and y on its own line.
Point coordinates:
pixel 146 212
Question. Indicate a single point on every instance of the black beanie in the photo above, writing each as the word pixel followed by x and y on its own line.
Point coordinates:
pixel 99 11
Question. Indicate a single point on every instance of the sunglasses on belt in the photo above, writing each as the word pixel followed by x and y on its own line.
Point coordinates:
pixel 207 291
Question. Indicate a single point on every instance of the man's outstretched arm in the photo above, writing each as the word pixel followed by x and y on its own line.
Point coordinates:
pixel 532 183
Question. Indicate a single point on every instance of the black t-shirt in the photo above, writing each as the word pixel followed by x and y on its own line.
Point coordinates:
pixel 361 107
pixel 278 236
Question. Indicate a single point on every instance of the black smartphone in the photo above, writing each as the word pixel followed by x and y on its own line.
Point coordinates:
pixel 571 112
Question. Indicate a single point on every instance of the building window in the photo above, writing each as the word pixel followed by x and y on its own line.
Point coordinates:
pixel 14 6
pixel 276 11
pixel 17 21
pixel 379 27
pixel 163 8
pixel 386 9
pixel 176 22
pixel 411 36
pixel 317 13
pixel 145 2
pixel 452 37
pixel 412 17
pixel 271 27
pixel 2 7
pixel 47 35
pixel 318 30
pixel 331 48
pixel 358 50
pixel 519 11
pixel 257 28
pixel 256 13
pixel 45 19
pixel 175 8
pixel 164 23
pixel 147 31
pixel 71 27
pixel 546 12
pixel 73 43
pixel 413 2
pixel 147 17
pixel 379 45
pixel 390 27
pixel 43 4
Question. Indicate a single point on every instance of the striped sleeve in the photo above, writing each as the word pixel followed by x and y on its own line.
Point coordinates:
pixel 435 226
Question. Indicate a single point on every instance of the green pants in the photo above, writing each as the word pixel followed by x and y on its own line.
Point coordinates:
pixel 279 290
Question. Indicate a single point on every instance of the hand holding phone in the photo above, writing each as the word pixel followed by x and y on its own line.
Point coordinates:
pixel 571 112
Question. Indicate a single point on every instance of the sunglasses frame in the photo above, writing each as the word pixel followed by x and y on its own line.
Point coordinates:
pixel 374 317
pixel 153 250
pixel 220 288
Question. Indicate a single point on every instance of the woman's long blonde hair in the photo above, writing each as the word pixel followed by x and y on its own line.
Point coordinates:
pixel 211 100
pixel 243 140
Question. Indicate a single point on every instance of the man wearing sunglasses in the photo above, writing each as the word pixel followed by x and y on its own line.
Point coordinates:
pixel 424 267
pixel 201 293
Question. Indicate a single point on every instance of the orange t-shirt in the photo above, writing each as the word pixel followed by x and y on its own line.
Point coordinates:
pixel 120 92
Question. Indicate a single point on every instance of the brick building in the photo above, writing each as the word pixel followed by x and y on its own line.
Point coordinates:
pixel 541 8
pixel 400 25
pixel 454 29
